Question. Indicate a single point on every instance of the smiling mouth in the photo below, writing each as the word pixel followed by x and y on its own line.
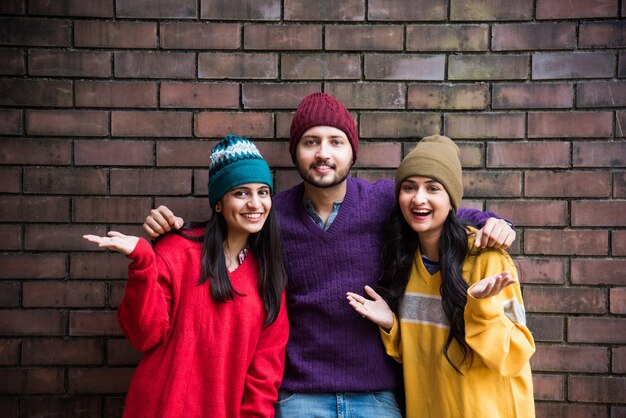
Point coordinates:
pixel 255 215
pixel 421 212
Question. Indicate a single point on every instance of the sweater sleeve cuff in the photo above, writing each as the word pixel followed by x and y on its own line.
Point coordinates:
pixel 485 307
pixel 142 255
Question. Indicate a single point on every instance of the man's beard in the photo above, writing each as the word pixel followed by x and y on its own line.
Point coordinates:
pixel 326 181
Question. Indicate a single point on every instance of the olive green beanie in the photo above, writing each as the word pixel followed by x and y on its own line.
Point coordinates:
pixel 435 157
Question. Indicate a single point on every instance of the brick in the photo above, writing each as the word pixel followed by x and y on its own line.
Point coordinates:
pixel 596 330
pixel 321 10
pixel 180 9
pixel 272 96
pixel 34 32
pixel 35 93
pixel 193 35
pixel 458 96
pixel 65 181
pixel 569 124
pixel 549 387
pixel 61 351
pixel 219 124
pixel 196 209
pixel 282 37
pixel 582 359
pixel 405 67
pixel 541 270
pixel 30 322
pixel 17 7
pixel 532 212
pixel 133 94
pixel 11 122
pixel 85 323
pixel 619 242
pixel 575 184
pixel 9 298
pixel 565 242
pixel 617 297
pixel 621 70
pixel 61 63
pixel 599 213
pixel 491 184
pixel 200 95
pixel 565 300
pixel 240 9
pixel 573 65
pixel 75 407
pixel 9 352
pixel 97 34
pixel 185 153
pixel 113 153
pixel 606 389
pixel 575 9
pixel 368 95
pixel 12 237
pixel 457 37
pixel 113 406
pixel 87 8
pixel 116 293
pixel 379 155
pixel 484 10
pixel 593 271
pixel 10 180
pixel 150 182
pixel 528 154
pixel 578 410
pixel 533 36
pixel 100 380
pixel 67 122
pixel 107 210
pixel 237 66
pixel 34 209
pixel 59 237
pixel 619 184
pixel 602 94
pixel 32 381
pixel 484 125
pixel 407 10
pixel 488 67
pixel 398 125
pixel 364 38
pixel 547 328
pixel 275 153
pixel 150 64
pixel 63 295
pixel 283 124
pixel 522 96
pixel 619 359
pixel 121 353
pixel 602 35
pixel 285 179
pixel 100 266
pixel 320 66
pixel 472 155
pixel 151 124
pixel 12 61
pixel 599 154
pixel 32 266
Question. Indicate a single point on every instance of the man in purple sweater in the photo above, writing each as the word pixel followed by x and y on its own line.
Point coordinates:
pixel 332 235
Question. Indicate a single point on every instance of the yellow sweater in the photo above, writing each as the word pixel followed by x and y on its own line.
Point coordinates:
pixel 497 383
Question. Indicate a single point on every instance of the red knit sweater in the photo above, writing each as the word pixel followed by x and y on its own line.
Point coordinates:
pixel 201 358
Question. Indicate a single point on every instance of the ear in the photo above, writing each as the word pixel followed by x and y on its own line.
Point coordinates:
pixel 218 207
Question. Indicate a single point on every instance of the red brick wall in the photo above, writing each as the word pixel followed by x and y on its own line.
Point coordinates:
pixel 109 108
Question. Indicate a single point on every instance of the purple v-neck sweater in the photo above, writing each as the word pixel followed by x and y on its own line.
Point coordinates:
pixel 331 348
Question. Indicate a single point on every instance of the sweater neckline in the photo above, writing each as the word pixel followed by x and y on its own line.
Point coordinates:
pixel 339 220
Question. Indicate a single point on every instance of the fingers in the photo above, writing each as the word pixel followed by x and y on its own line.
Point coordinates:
pixel 372 293
pixel 496 233
pixel 116 234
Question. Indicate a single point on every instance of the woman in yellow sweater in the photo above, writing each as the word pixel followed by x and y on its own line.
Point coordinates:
pixel 452 314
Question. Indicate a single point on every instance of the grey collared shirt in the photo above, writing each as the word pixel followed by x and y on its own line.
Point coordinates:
pixel 308 206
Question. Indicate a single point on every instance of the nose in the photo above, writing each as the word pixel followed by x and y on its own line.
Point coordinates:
pixel 419 197
pixel 322 150
pixel 254 201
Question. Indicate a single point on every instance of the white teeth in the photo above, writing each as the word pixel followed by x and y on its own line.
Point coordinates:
pixel 252 215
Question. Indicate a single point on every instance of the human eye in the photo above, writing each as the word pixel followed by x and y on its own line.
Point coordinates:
pixel 407 187
pixel 240 193
pixel 309 141
pixel 264 192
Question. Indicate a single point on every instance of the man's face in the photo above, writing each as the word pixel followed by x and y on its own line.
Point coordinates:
pixel 324 156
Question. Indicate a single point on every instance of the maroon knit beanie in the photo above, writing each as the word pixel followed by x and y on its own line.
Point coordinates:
pixel 321 109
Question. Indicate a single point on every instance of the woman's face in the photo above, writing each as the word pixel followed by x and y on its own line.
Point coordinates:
pixel 245 208
pixel 424 203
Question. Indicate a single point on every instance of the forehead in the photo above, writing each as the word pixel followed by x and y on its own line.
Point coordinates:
pixel 251 186
pixel 420 180
pixel 324 131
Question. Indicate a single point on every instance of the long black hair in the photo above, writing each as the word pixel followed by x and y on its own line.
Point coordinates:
pixel 401 243
pixel 265 245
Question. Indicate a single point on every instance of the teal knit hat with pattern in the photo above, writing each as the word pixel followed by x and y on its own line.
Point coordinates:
pixel 235 161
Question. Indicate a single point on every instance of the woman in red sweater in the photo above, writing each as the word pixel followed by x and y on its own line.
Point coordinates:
pixel 206 306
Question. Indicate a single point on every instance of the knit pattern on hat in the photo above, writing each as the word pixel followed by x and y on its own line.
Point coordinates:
pixel 322 109
pixel 435 157
pixel 235 161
